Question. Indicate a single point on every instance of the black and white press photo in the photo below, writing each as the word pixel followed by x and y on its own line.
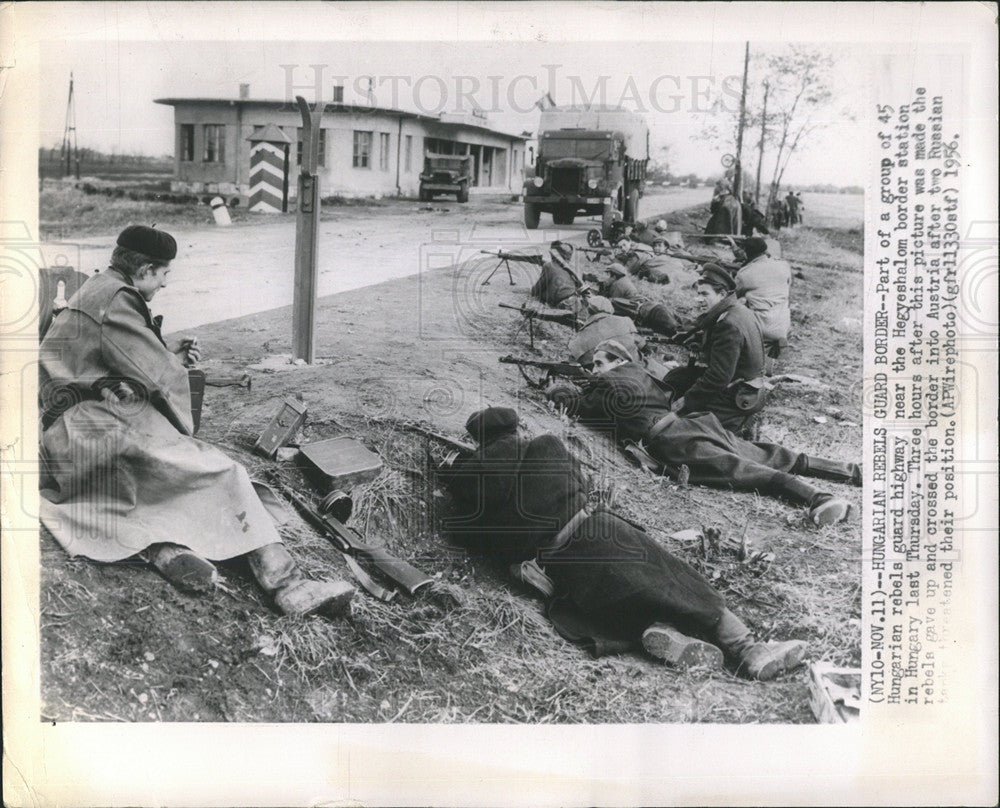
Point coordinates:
pixel 448 378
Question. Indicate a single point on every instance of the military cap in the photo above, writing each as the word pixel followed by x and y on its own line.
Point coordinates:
pixel 754 246
pixel 617 349
pixel 489 424
pixel 717 277
pixel 617 269
pixel 155 244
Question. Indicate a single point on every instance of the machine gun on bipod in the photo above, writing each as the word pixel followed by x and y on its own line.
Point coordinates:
pixel 573 371
pixel 530 314
pixel 505 259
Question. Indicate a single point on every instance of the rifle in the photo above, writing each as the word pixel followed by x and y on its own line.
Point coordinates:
pixel 596 253
pixel 681 338
pixel 566 370
pixel 552 316
pixel 351 544
pixel 450 443
pixel 567 318
pixel 703 259
pixel 505 259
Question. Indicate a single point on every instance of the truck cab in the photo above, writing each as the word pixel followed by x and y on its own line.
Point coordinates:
pixel 446 174
pixel 587 169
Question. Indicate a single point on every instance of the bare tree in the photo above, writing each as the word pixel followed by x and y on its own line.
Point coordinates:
pixel 797 85
pixel 799 82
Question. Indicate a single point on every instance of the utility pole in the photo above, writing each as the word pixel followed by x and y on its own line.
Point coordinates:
pixel 738 179
pixel 763 129
pixel 70 153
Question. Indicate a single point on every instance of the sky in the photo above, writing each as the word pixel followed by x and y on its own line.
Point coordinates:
pixel 673 84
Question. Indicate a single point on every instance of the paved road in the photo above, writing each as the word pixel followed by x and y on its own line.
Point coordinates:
pixel 222 273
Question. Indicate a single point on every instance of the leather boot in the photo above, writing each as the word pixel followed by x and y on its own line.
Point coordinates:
pixel 183 567
pixel 835 470
pixel 678 650
pixel 824 509
pixel 276 571
pixel 756 660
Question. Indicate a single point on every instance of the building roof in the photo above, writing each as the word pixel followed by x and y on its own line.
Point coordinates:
pixel 331 107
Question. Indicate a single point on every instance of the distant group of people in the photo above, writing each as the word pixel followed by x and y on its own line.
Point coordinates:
pixel 787 211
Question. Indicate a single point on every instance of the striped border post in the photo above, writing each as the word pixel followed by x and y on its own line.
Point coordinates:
pixel 269 170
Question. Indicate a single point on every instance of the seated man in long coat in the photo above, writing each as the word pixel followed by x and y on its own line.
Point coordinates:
pixel 122 473
pixel 624 397
pixel 520 500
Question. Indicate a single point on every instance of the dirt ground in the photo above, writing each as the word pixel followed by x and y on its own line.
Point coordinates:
pixel 119 643
pixel 222 273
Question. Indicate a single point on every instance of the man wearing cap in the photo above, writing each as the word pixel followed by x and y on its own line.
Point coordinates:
pixel 624 397
pixel 608 585
pixel 732 383
pixel 763 284
pixel 558 281
pixel 618 285
pixel 122 473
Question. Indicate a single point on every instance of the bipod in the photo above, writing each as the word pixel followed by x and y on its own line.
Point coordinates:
pixel 505 262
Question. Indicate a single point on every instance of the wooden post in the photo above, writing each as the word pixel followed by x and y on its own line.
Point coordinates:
pixel 306 229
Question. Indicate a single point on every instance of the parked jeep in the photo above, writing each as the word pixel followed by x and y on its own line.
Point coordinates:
pixel 446 174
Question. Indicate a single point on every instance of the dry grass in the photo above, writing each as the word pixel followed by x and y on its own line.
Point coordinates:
pixel 490 656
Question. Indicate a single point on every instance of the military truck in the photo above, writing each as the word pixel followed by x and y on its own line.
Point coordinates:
pixel 446 174
pixel 591 160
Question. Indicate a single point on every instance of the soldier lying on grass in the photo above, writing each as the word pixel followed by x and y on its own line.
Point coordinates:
pixel 625 397
pixel 613 587
pixel 122 473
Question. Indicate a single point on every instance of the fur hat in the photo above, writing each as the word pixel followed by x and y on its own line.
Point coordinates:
pixel 487 425
pixel 155 244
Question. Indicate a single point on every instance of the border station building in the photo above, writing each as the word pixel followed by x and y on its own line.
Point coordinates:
pixel 365 151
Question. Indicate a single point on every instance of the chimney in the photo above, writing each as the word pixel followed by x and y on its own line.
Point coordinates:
pixel 338 93
pixel 244 92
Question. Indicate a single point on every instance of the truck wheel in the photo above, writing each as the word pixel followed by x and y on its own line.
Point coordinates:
pixel 632 207
pixel 463 193
pixel 424 196
pixel 607 221
pixel 531 216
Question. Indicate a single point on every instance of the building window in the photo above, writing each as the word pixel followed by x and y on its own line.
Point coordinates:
pixel 300 141
pixel 408 153
pixel 187 142
pixel 215 142
pixel 362 150
pixel 383 152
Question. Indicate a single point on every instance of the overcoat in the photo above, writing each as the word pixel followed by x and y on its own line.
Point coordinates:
pixel 120 475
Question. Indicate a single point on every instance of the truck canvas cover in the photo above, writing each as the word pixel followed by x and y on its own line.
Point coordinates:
pixel 601 118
